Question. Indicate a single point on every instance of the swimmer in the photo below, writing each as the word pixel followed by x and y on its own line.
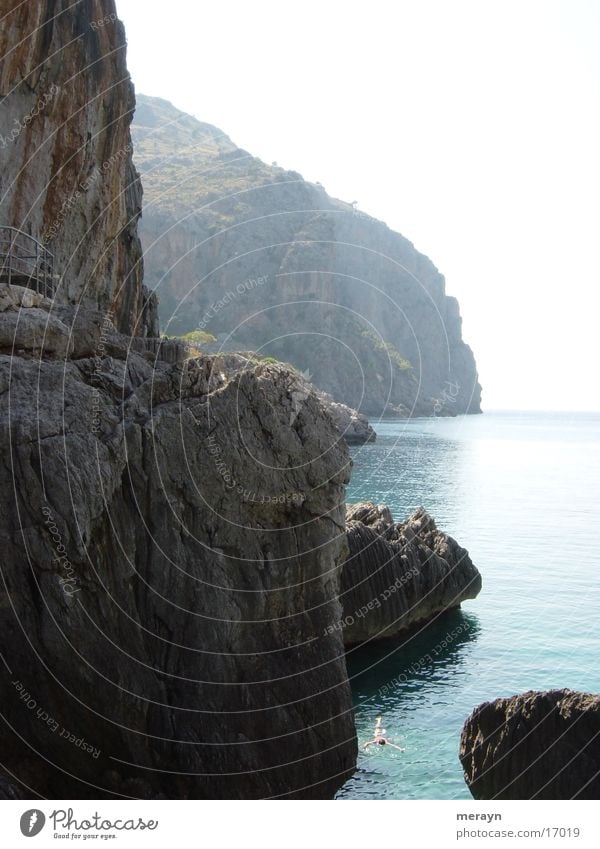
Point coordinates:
pixel 379 738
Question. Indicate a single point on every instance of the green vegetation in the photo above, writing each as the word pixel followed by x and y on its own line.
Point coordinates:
pixel 381 345
pixel 260 360
pixel 194 340
pixel 271 360
pixel 197 338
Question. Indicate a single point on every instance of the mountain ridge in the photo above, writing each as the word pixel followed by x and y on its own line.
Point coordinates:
pixel 216 216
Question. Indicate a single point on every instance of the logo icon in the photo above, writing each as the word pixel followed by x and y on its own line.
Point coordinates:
pixel 32 822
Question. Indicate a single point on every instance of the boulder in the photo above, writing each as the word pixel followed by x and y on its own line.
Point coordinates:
pixel 399 575
pixel 353 426
pixel 33 331
pixel 538 745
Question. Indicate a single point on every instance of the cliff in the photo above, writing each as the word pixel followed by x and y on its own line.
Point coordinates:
pixel 66 171
pixel 171 549
pixel 538 745
pixel 267 261
pixel 399 575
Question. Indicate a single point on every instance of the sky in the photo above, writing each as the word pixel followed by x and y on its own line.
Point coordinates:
pixel 472 127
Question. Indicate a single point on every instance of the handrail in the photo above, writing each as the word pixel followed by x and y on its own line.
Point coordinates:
pixel 19 264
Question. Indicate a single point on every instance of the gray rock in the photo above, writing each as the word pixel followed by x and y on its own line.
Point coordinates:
pixel 538 745
pixel 14 297
pixel 66 170
pixel 171 549
pixel 399 575
pixel 353 426
pixel 33 331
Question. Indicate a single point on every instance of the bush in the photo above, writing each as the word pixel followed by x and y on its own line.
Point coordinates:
pixel 198 337
pixel 380 345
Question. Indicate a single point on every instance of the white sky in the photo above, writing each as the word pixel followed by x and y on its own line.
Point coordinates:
pixel 470 126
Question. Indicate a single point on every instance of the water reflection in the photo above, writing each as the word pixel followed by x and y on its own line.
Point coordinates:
pixel 408 469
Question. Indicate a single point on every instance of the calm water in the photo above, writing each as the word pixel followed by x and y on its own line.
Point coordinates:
pixel 521 491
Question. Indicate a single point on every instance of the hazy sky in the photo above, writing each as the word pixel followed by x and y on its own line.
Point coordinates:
pixel 473 128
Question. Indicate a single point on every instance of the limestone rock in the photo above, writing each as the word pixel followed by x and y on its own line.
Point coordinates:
pixel 353 426
pixel 173 550
pixel 538 745
pixel 399 575
pixel 14 297
pixel 35 332
pixel 66 170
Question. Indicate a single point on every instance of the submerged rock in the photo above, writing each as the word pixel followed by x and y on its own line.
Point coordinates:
pixel 398 575
pixel 538 745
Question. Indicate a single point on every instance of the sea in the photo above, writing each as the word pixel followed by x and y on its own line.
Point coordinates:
pixel 520 491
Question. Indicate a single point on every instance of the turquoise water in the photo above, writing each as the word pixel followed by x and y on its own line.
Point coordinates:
pixel 521 491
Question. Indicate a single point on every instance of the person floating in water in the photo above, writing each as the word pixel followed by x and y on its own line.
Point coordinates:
pixel 380 738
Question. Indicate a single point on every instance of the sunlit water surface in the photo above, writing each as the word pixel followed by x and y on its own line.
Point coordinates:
pixel 521 491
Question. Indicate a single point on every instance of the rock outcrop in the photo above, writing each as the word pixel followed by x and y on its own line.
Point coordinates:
pixel 171 548
pixel 66 172
pixel 397 576
pixel 353 426
pixel 538 745
pixel 267 261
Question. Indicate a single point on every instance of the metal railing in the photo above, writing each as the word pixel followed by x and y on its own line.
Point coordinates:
pixel 25 262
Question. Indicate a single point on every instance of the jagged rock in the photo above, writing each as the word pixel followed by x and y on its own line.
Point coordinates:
pixel 66 171
pixel 399 575
pixel 293 273
pixel 353 426
pixel 538 745
pixel 171 546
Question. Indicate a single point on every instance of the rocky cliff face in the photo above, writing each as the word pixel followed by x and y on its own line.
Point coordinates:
pixel 66 171
pixel 399 575
pixel 534 746
pixel 171 550
pixel 265 260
